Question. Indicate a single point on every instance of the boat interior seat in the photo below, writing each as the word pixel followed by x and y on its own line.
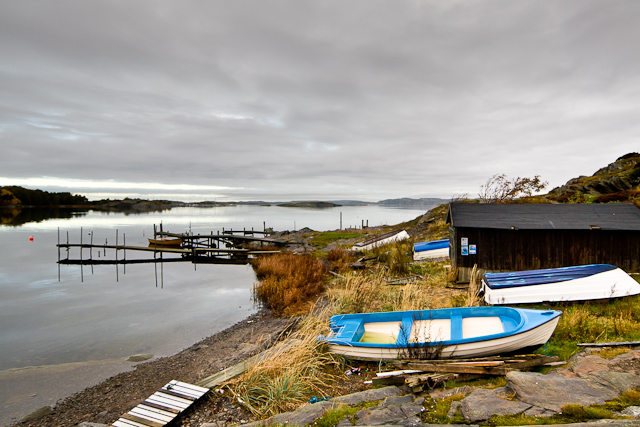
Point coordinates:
pixel 431 330
pixel 381 332
pixel 480 326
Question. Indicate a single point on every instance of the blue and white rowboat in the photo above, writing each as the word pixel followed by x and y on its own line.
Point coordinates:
pixel 448 332
pixel 431 249
pixel 577 283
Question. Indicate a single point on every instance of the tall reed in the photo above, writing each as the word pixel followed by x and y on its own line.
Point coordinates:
pixel 369 293
pixel 283 380
pixel 289 283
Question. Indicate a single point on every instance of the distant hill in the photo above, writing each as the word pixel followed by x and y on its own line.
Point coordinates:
pixel 309 205
pixel 617 182
pixel 412 203
pixel 21 197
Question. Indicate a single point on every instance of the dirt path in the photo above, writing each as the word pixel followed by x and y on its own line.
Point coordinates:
pixel 105 402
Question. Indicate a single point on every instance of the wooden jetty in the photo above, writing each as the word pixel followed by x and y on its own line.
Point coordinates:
pixel 230 247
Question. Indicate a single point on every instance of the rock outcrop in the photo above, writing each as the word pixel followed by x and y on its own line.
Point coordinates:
pixel 589 379
pixel 619 181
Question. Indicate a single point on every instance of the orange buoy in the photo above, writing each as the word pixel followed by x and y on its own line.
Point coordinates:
pixel 31 238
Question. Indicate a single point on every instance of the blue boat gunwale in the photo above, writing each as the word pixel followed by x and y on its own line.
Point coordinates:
pixel 516 279
pixel 430 245
pixel 338 323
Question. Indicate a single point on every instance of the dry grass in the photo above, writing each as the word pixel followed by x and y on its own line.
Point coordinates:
pixel 473 295
pixel 283 380
pixel 340 259
pixel 595 321
pixel 289 283
pixel 360 293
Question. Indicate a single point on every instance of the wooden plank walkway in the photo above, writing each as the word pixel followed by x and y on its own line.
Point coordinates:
pixel 163 406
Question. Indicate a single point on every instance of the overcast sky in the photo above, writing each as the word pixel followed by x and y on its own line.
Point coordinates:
pixel 313 100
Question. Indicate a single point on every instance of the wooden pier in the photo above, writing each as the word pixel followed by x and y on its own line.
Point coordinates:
pixel 230 247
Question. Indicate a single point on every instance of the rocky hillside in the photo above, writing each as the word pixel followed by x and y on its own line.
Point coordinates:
pixel 617 182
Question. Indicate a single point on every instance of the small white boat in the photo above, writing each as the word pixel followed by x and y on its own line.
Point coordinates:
pixel 577 283
pixel 383 239
pixel 443 333
pixel 431 249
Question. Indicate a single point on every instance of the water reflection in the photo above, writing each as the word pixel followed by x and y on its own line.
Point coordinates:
pixel 15 217
pixel 106 312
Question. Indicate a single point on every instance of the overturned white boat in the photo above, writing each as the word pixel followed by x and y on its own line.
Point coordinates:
pixel 431 250
pixel 390 237
pixel 577 283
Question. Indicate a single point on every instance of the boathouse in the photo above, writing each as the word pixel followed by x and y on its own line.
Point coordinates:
pixel 512 237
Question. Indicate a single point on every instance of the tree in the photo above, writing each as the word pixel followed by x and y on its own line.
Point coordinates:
pixel 500 189
pixel 7 198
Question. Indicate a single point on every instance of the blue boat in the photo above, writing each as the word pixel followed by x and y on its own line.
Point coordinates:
pixel 576 283
pixel 431 249
pixel 442 333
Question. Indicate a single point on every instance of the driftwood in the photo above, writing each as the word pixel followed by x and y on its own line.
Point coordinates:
pixel 239 368
pixel 337 275
pixel 402 280
pixel 610 344
pixel 427 374
pixel 483 366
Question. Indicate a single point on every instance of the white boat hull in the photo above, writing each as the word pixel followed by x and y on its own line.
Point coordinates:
pixel 434 253
pixel 609 284
pixel 364 246
pixel 509 344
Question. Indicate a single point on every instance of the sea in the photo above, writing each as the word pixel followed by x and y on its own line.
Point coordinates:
pixel 64 328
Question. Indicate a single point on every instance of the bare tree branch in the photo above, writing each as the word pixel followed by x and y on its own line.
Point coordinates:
pixel 500 189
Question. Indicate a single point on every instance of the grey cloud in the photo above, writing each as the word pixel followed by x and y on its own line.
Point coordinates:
pixel 377 99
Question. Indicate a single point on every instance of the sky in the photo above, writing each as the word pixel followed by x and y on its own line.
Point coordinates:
pixel 313 100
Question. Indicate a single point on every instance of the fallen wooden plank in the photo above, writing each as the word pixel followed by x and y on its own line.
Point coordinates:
pixel 239 368
pixel 402 280
pixel 483 368
pixel 394 373
pixel 610 344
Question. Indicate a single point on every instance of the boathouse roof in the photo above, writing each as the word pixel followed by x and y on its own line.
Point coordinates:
pixel 592 216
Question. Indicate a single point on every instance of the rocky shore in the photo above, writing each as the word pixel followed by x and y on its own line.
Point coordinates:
pixel 587 379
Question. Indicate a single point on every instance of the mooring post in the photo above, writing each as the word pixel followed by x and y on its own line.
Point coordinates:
pixel 124 245
pixel 91 252
pixel 81 269
pixel 117 277
pixel 58 254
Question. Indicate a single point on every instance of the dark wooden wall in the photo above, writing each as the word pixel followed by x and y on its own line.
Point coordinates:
pixel 513 250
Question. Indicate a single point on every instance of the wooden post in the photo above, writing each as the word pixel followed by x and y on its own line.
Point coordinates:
pixel 91 252
pixel 81 269
pixel 58 254
pixel 340 220
pixel 117 278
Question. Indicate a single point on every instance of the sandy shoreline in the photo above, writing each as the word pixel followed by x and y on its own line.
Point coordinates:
pixel 106 401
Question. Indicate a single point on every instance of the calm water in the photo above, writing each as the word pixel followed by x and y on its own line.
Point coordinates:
pixel 108 312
